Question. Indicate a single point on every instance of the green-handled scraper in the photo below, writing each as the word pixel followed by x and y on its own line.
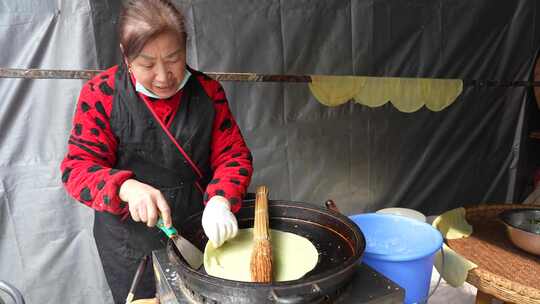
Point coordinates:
pixel 190 253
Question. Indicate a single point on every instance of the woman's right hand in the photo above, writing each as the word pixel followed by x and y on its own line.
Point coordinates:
pixel 145 202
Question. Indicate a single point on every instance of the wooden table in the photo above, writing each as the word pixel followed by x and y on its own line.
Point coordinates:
pixel 504 271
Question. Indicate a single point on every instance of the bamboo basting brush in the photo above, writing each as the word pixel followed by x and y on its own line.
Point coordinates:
pixel 261 256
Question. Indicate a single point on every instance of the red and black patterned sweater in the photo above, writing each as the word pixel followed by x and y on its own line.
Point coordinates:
pixel 87 169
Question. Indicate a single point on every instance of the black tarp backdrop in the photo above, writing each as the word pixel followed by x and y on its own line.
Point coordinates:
pixel 373 158
pixel 475 151
pixel 472 152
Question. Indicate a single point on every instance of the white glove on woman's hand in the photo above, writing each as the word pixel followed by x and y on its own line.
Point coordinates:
pixel 218 222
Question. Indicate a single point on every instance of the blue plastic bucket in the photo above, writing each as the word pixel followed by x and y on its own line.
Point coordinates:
pixel 402 249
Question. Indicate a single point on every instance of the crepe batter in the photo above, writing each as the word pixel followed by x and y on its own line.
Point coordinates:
pixel 293 256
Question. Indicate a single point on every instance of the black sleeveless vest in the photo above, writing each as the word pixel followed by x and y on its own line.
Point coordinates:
pixel 145 148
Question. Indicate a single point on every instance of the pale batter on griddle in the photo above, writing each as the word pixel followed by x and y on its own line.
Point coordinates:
pixel 293 256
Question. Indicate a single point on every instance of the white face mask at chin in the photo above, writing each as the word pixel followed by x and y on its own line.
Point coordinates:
pixel 141 89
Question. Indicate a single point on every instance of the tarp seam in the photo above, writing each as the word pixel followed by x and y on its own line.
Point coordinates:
pixel 15 235
pixel 196 49
pixel 93 28
pixel 285 120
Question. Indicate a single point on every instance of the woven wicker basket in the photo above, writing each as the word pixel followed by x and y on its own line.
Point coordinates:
pixel 504 270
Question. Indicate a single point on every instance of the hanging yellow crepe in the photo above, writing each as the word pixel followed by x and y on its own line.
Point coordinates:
pixel 293 256
pixel 334 90
pixel 145 301
pixel 455 268
pixel 453 225
pixel 406 94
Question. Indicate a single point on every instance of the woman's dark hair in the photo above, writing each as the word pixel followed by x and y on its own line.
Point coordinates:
pixel 142 20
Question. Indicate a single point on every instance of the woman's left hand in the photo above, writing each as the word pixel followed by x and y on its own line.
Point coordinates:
pixel 218 222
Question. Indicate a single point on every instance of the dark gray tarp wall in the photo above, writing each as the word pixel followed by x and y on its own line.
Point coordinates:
pixel 364 158
pixel 46 244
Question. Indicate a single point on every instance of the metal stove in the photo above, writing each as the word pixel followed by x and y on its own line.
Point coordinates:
pixel 366 286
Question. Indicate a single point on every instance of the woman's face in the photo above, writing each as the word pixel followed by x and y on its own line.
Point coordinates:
pixel 161 64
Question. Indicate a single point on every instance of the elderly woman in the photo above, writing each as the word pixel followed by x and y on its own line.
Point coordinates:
pixel 152 137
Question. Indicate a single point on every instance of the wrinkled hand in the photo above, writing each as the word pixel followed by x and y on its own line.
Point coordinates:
pixel 218 222
pixel 145 202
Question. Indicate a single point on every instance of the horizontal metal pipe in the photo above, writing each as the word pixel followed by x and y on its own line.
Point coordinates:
pixel 88 74
pixel 247 77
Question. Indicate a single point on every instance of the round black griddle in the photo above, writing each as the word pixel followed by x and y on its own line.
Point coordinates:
pixel 339 241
